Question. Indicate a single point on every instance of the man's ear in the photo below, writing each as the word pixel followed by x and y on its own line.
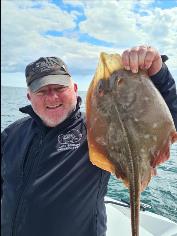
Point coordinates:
pixel 28 96
pixel 75 87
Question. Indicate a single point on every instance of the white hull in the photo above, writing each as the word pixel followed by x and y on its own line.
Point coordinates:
pixel 119 222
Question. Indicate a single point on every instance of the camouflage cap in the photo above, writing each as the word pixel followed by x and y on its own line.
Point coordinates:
pixel 45 71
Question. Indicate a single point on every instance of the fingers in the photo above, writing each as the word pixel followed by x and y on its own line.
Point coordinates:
pixel 141 57
pixel 149 57
pixel 125 60
pixel 134 60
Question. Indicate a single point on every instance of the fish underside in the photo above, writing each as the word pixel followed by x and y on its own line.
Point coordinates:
pixel 131 124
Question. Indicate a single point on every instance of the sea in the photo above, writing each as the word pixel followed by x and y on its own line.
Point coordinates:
pixel 161 193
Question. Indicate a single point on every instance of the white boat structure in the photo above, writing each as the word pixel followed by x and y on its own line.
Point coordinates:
pixel 119 221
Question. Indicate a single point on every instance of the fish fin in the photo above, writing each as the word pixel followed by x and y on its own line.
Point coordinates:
pixel 120 174
pixel 106 66
pixel 145 179
pixel 174 137
pixel 153 171
pixel 161 156
pixel 96 142
pixel 99 159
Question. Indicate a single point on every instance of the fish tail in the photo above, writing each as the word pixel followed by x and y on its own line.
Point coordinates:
pixel 134 189
pixel 174 137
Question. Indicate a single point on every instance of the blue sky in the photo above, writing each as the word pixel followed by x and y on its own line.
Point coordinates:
pixel 78 30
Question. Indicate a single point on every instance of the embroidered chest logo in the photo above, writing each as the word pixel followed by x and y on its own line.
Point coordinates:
pixel 69 141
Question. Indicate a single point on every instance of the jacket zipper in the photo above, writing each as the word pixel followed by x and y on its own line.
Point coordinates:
pixel 29 170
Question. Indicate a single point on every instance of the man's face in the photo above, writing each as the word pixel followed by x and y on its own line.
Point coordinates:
pixel 53 103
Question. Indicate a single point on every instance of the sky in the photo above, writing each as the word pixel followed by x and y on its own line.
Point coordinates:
pixel 78 30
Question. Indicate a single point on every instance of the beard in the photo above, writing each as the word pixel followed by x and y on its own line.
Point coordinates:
pixel 54 121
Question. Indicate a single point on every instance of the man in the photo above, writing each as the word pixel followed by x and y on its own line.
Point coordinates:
pixel 50 187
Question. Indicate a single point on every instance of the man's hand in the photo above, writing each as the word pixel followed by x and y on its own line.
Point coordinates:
pixel 142 57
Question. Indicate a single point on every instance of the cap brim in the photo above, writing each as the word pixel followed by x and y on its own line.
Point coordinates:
pixel 64 80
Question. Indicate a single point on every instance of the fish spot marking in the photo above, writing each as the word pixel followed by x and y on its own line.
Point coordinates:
pixel 147 136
